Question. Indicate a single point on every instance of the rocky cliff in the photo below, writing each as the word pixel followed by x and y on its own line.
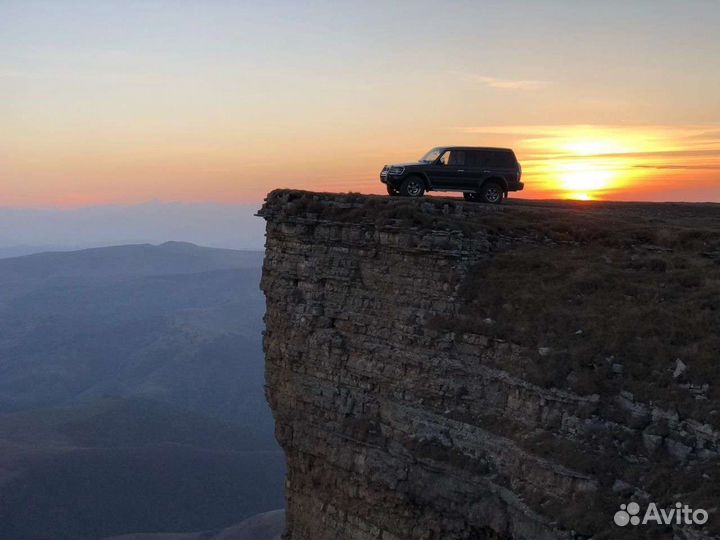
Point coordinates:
pixel 442 369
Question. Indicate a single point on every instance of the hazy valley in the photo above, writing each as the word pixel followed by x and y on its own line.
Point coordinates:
pixel 131 392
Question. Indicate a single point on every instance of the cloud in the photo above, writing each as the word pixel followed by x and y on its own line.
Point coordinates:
pixel 708 166
pixel 510 84
pixel 706 135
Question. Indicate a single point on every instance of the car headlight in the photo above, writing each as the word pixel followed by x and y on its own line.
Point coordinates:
pixel 396 170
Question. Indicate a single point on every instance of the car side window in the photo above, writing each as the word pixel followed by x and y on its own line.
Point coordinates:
pixel 502 160
pixel 475 159
pixel 453 158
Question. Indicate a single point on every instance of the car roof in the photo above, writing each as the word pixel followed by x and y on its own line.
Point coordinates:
pixel 491 148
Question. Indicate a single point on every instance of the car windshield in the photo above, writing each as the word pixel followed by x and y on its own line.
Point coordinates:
pixel 432 155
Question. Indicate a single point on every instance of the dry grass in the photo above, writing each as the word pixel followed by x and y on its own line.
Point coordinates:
pixel 596 306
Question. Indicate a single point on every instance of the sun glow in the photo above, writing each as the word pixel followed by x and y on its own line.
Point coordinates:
pixel 587 165
pixel 588 162
pixel 595 147
pixel 584 176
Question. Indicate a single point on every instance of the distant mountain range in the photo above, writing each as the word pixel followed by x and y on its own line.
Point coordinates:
pixel 31 230
pixel 131 392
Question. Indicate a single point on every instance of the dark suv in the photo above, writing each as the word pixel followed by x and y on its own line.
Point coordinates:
pixel 482 174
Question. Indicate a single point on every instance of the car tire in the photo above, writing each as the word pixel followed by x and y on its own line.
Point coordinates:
pixel 413 186
pixel 393 192
pixel 492 193
pixel 470 196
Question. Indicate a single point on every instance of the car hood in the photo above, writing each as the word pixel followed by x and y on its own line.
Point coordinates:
pixel 408 164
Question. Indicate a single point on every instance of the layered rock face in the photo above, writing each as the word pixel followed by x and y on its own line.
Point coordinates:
pixel 408 407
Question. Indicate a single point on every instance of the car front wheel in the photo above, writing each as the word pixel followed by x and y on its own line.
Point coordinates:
pixel 492 193
pixel 412 187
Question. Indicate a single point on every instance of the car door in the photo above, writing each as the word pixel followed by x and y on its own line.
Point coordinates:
pixel 474 170
pixel 446 171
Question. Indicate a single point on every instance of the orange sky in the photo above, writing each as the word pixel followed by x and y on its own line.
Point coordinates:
pixel 126 102
pixel 586 162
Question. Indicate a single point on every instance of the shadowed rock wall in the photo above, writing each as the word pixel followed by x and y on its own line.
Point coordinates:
pixel 396 425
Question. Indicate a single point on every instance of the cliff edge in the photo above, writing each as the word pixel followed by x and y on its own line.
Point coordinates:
pixel 442 370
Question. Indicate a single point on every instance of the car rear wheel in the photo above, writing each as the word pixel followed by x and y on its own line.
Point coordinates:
pixel 412 187
pixel 393 192
pixel 492 193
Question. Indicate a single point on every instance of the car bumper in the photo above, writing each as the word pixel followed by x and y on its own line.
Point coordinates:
pixel 391 179
pixel 517 186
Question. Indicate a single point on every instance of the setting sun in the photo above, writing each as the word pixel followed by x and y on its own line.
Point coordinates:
pixel 589 162
pixel 579 197
pixel 587 165
pixel 583 176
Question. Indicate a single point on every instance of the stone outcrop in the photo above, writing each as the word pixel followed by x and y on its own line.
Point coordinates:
pixel 403 417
